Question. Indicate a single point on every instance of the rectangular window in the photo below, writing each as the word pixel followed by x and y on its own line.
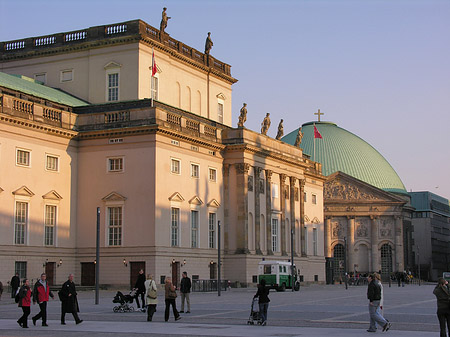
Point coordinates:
pixel 52 163
pixel 194 229
pixel 195 171
pixel 175 215
pixel 113 87
pixel 115 226
pixel 21 219
pixel 175 166
pixel 212 174
pixel 305 241
pixel 220 112
pixel 304 197
pixel 66 75
pixel 314 199
pixel 21 269
pixel 23 158
pixel 212 230
pixel 49 223
pixel 275 235
pixel 274 191
pixel 154 88
pixel 115 164
pixel 315 241
pixel 41 78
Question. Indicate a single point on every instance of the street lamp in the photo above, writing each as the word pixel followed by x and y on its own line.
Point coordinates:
pixel 418 261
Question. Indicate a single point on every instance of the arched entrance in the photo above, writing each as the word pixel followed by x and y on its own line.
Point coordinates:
pixel 339 261
pixel 386 261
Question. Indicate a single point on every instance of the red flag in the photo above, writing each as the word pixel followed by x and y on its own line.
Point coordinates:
pixel 317 133
pixel 153 65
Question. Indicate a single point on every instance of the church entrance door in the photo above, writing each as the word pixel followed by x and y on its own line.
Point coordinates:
pixel 386 261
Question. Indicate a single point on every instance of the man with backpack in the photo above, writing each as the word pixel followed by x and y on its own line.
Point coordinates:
pixel 41 294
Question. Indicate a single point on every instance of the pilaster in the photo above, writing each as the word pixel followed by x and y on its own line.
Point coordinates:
pixel 269 211
pixel 242 207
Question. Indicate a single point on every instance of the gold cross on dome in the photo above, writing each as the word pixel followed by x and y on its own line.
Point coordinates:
pixel 318 113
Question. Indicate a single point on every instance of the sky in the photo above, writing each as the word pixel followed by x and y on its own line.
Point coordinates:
pixel 377 68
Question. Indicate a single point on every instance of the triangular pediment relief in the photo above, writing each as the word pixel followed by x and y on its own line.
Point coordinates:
pixel 315 220
pixel 112 65
pixel 213 203
pixel 52 195
pixel 24 191
pixel 343 187
pixel 221 96
pixel 306 219
pixel 114 196
pixel 196 201
pixel 176 197
pixel 1 190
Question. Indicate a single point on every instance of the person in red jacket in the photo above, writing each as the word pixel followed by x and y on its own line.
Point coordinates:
pixel 41 294
pixel 24 303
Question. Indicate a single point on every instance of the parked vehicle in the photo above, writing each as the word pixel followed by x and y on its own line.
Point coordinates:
pixel 278 275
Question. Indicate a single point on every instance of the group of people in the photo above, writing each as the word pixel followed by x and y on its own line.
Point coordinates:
pixel 41 294
pixel 147 291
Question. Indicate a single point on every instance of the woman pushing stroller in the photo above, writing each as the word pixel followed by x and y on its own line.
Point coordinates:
pixel 263 295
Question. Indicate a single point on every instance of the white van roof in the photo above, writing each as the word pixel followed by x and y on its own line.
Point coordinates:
pixel 283 263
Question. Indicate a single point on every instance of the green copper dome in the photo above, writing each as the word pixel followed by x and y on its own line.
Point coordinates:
pixel 340 150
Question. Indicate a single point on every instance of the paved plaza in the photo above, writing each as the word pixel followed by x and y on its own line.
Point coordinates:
pixel 316 310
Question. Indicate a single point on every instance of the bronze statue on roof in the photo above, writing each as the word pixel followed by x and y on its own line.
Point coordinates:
pixel 208 44
pixel 242 116
pixel 280 132
pixel 265 125
pixel 299 138
pixel 164 19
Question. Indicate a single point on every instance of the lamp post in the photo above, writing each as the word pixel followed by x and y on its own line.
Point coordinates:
pixel 345 262
pixel 97 258
pixel 418 261
pixel 218 258
pixel 292 258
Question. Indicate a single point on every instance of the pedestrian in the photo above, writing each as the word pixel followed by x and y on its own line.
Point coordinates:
pixel 185 290
pixel 442 294
pixel 170 296
pixel 151 297
pixel 24 303
pixel 374 296
pixel 15 283
pixel 69 302
pixel 378 279
pixel 41 294
pixel 140 289
pixel 263 297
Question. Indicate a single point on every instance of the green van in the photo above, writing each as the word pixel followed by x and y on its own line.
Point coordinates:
pixel 278 275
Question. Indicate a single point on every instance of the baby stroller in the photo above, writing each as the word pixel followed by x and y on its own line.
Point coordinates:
pixel 123 301
pixel 254 313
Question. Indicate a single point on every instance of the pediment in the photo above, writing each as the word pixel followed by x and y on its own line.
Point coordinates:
pixel 114 196
pixel 213 203
pixel 306 219
pixel 343 187
pixel 52 195
pixel 1 190
pixel 112 65
pixel 24 191
pixel 315 220
pixel 196 201
pixel 221 96
pixel 176 197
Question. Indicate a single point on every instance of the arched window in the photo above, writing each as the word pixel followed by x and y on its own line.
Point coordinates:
pixel 386 260
pixel 339 259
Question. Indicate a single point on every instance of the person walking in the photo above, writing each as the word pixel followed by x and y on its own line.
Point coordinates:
pixel 185 290
pixel 263 296
pixel 442 294
pixel 378 280
pixel 151 297
pixel 374 296
pixel 15 283
pixel 1 290
pixel 41 294
pixel 170 296
pixel 69 302
pixel 24 303
pixel 140 289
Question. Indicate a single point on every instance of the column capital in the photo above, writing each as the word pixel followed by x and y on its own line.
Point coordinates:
pixel 292 180
pixel 242 168
pixel 226 169
pixel 373 217
pixel 269 174
pixel 258 171
pixel 282 178
pixel 302 182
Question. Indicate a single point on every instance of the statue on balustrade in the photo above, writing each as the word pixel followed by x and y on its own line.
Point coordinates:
pixel 164 19
pixel 242 116
pixel 299 138
pixel 208 44
pixel 265 125
pixel 280 132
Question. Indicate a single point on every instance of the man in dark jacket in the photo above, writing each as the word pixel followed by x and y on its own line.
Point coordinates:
pixel 374 296
pixel 263 299
pixel 185 290
pixel 442 294
pixel 140 289
pixel 41 294
pixel 15 283
pixel 69 302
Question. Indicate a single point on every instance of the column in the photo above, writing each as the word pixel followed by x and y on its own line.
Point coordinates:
pixel 374 243
pixel 302 216
pixel 327 234
pixel 242 207
pixel 283 214
pixel 269 211
pixel 257 171
pixel 292 181
pixel 351 242
pixel 226 205
pixel 399 258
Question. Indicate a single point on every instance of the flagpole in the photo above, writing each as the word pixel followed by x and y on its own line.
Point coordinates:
pixel 314 132
pixel 151 78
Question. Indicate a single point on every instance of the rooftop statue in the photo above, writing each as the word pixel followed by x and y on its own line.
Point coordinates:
pixel 208 44
pixel 164 20
pixel 242 116
pixel 298 140
pixel 280 132
pixel 265 125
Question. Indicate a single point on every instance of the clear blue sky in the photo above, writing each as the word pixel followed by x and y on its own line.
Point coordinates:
pixel 377 68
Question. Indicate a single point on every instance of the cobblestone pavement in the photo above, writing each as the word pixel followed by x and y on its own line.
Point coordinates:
pixel 316 310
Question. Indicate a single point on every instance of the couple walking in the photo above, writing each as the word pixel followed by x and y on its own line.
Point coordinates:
pixel 375 296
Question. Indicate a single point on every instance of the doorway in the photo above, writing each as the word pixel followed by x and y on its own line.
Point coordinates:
pixel 88 274
pixel 134 271
pixel 50 272
pixel 176 273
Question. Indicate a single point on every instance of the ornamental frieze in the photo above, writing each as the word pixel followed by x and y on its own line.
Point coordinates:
pixel 337 189
pixel 362 227
pixel 337 229
pixel 385 226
